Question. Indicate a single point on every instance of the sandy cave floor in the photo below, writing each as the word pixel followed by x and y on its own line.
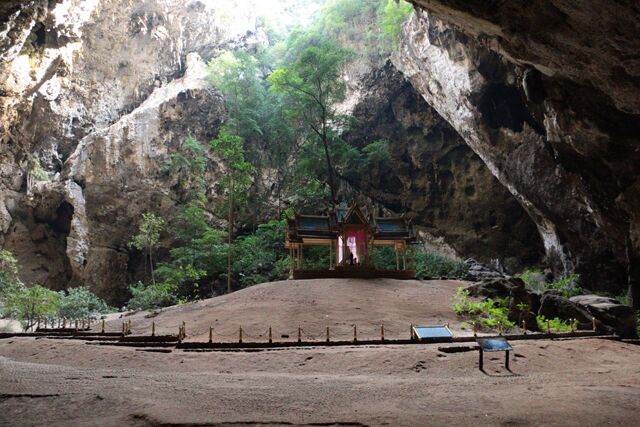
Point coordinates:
pixel 559 382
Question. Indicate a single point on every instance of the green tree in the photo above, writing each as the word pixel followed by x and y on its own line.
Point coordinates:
pixel 8 272
pixel 28 304
pixel 392 14
pixel 80 303
pixel 313 85
pixel 235 182
pixel 148 237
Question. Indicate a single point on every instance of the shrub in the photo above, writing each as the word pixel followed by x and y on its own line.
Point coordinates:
pixel 488 314
pixel 9 280
pixel 80 303
pixel 556 324
pixel 433 264
pixel 152 296
pixel 28 304
pixel 534 279
pixel 568 285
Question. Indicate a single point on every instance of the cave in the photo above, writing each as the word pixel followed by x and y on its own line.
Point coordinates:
pixel 61 223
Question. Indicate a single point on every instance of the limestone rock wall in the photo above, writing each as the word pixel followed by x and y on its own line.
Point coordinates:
pixel 546 93
pixel 98 92
pixel 434 177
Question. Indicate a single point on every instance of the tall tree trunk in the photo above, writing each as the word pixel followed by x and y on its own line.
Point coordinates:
pixel 330 168
pixel 229 246
pixel 153 279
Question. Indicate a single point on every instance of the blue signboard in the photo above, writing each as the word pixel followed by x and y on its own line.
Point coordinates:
pixel 494 344
pixel 432 333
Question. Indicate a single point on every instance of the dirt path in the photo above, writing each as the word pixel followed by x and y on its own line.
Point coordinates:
pixel 577 382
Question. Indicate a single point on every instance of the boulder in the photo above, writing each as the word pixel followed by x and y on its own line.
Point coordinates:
pixel 611 315
pixel 478 271
pixel 553 305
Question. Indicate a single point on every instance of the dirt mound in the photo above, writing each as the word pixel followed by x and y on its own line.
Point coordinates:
pixel 312 305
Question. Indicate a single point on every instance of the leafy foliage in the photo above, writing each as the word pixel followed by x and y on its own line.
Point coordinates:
pixel 433 264
pixel 81 303
pixel 556 324
pixel 28 304
pixel 488 314
pixel 148 236
pixel 392 15
pixel 152 296
pixel 535 280
pixel 8 273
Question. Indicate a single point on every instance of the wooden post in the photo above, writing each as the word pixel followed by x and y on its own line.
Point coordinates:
pixel 299 334
pixel 45 323
pixel 355 333
pixel 593 323
pixel 499 328
pixel 210 334
pixel 395 246
pixel 103 326
pixel 382 333
pixel 82 323
pixel 64 323
pixel 301 247
pixel 481 359
pixel 404 256
pixel 571 324
pixel 184 329
pixel 328 339
pixel 76 324
pixel 153 328
pixel 506 360
pixel 240 335
pixel 270 336
pixel 524 327
pixel 475 329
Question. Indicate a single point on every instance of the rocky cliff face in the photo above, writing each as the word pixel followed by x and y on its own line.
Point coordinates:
pixel 99 93
pixel 546 93
pixel 434 177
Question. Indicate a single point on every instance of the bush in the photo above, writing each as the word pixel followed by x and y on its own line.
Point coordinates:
pixel 556 324
pixel 432 264
pixel 81 303
pixel 568 286
pixel 152 296
pixel 488 314
pixel 28 304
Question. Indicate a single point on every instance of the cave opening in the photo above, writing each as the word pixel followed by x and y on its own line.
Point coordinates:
pixel 61 223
